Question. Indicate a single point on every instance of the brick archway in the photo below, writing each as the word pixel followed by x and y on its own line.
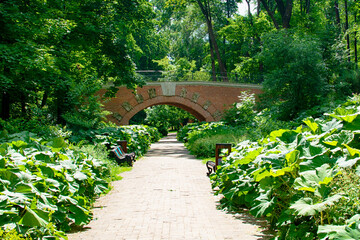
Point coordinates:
pixel 205 100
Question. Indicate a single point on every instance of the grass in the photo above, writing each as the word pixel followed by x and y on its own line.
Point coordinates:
pixel 204 160
pixel 116 170
pixel 205 147
pixel 100 152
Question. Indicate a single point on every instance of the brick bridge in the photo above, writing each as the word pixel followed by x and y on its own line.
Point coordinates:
pixel 205 100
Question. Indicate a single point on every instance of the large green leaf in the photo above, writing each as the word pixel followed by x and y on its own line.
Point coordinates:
pixel 80 176
pixel 312 150
pixel 343 232
pixel 263 205
pixel 318 161
pixel 331 126
pixel 352 151
pixel 249 157
pixel 307 206
pixel 347 162
pixel 312 125
pixel 337 140
pixel 346 114
pixel 35 217
pixel 79 215
pixel 312 180
pixel 58 143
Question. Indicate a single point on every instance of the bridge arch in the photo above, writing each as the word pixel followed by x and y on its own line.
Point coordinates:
pixel 195 109
pixel 205 100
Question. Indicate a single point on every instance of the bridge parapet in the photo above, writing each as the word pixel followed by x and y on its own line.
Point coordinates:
pixel 207 101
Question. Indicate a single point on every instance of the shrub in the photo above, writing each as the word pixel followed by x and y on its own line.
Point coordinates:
pixel 242 112
pixel 294 73
pixel 205 146
pixel 302 180
pixel 138 137
pixel 46 185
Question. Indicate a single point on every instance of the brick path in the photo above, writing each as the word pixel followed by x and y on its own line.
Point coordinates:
pixel 166 196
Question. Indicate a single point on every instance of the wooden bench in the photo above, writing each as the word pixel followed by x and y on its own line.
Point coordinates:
pixel 212 166
pixel 121 155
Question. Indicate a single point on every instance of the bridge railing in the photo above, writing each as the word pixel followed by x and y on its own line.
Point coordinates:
pixel 194 76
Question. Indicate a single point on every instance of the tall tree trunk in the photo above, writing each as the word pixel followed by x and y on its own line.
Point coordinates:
pixel 337 14
pixel 307 6
pixel 223 72
pixel 212 61
pixel 355 43
pixel 285 11
pixel 271 14
pixel 207 14
pixel 249 12
pixel 249 8
pixel 346 28
pixel 44 99
pixel 258 8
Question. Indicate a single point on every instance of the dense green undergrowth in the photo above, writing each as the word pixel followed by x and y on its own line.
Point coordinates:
pixel 200 138
pixel 48 185
pixel 304 180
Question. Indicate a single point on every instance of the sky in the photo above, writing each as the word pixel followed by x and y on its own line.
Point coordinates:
pixel 243 9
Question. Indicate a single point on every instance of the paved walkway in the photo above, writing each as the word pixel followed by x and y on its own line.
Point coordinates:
pixel 166 196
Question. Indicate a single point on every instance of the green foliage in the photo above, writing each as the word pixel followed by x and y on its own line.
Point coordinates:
pixel 138 137
pixel 40 126
pixel 197 128
pixel 200 139
pixel 46 185
pixel 56 55
pixel 294 73
pixel 304 181
pixel 205 146
pixel 165 117
pixel 11 235
pixel 242 112
pixel 243 34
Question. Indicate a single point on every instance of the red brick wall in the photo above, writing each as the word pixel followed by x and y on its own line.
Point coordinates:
pixel 206 101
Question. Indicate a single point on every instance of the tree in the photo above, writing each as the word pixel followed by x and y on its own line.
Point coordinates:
pixel 285 10
pixel 166 117
pixel 294 73
pixel 55 55
pixel 205 7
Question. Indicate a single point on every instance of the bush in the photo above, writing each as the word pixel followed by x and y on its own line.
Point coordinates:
pixel 204 147
pixel 303 180
pixel 196 130
pixel 11 235
pixel 295 73
pixel 242 112
pixel 138 137
pixel 200 139
pixel 40 126
pixel 47 185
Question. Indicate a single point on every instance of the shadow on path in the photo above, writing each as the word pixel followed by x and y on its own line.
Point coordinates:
pixel 168 196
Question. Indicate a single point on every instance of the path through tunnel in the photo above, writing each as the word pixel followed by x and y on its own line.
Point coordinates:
pixel 166 116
